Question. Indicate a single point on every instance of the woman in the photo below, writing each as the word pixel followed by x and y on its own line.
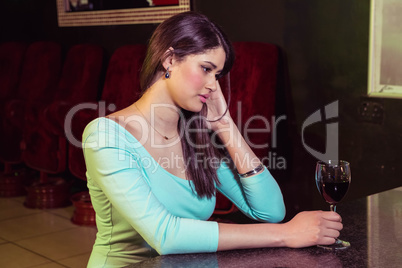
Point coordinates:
pixel 153 168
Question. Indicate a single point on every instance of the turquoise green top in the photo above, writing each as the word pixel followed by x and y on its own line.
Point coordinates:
pixel 142 210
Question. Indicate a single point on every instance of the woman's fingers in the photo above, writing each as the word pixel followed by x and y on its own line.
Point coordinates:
pixel 326 240
pixel 334 225
pixel 331 216
pixel 217 108
pixel 331 233
pixel 331 227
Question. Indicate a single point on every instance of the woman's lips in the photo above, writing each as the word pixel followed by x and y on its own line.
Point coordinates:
pixel 204 97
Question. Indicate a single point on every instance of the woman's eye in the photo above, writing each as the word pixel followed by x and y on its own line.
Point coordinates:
pixel 206 69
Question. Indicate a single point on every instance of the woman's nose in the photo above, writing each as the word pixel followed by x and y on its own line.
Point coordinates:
pixel 211 85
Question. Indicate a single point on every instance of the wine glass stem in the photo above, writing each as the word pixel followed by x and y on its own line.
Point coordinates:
pixel 332 207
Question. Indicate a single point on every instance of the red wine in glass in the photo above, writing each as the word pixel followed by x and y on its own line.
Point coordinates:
pixel 333 178
pixel 333 192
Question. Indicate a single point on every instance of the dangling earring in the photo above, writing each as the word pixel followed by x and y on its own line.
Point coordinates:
pixel 167 74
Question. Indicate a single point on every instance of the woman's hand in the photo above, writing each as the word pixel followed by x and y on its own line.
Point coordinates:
pixel 311 228
pixel 217 106
pixel 308 228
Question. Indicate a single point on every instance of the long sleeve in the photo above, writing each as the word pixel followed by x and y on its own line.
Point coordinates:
pixel 116 170
pixel 259 196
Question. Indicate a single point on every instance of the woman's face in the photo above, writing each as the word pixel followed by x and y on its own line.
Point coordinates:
pixel 194 78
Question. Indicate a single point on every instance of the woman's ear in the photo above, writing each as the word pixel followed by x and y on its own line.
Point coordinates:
pixel 169 58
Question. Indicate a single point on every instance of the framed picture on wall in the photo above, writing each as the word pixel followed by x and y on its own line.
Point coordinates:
pixel 72 13
pixel 385 58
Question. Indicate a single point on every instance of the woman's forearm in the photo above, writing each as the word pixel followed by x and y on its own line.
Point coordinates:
pixel 240 236
pixel 306 229
pixel 240 152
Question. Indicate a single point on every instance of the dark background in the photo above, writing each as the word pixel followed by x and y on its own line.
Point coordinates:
pixel 324 57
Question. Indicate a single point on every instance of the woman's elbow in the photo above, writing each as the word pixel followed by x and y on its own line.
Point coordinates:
pixel 274 215
pixel 279 213
pixel 278 216
pixel 168 248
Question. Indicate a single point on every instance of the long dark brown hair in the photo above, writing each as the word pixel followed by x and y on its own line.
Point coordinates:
pixel 189 33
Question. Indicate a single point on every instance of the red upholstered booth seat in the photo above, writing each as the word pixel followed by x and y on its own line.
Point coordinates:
pixel 121 89
pixel 45 140
pixel 40 73
pixel 45 143
pixel 11 59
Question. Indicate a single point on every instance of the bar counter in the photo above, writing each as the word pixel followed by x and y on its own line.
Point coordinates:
pixel 373 226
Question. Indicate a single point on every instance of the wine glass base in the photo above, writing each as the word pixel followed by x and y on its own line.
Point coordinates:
pixel 339 244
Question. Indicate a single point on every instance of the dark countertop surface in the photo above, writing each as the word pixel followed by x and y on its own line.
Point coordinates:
pixel 373 226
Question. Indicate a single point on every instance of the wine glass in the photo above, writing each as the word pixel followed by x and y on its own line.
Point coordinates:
pixel 333 179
